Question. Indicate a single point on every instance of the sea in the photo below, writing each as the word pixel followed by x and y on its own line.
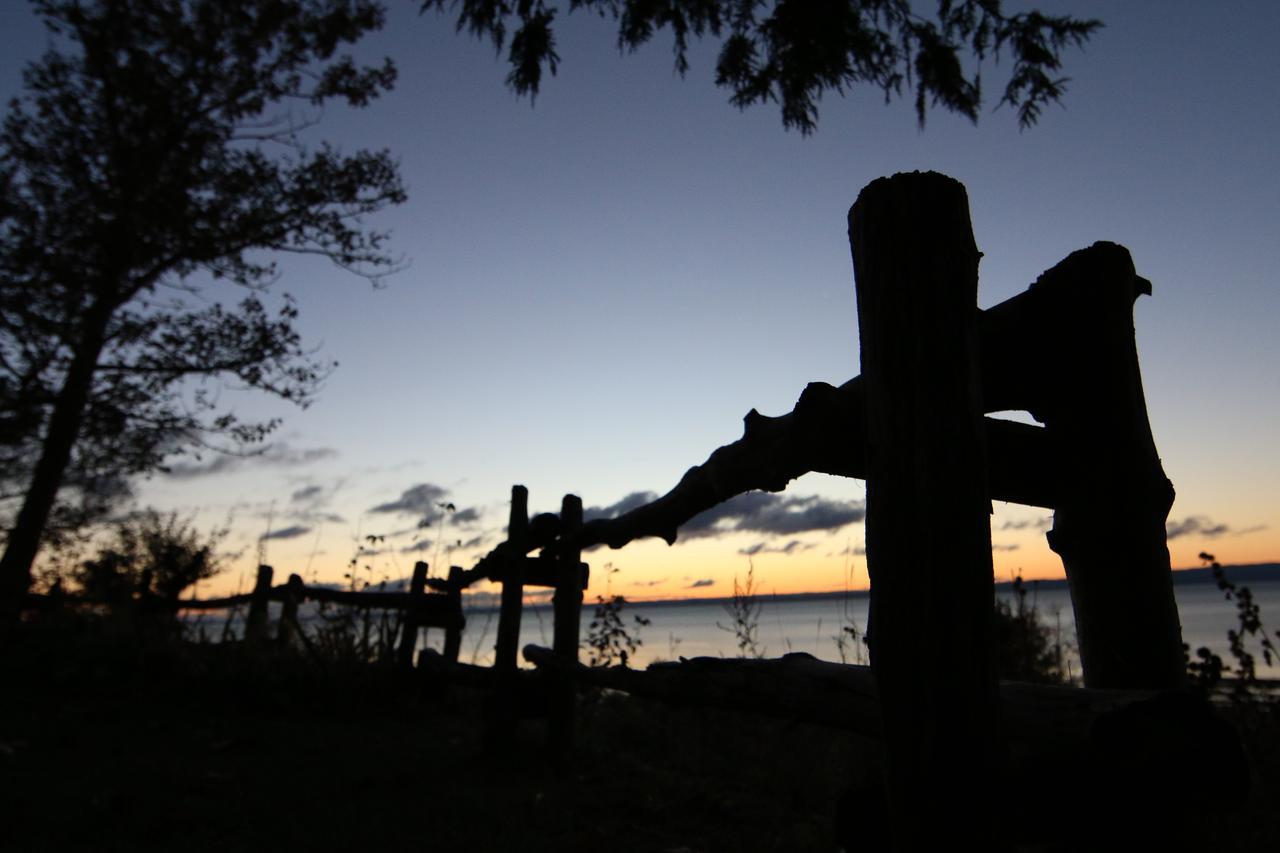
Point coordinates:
pixel 816 623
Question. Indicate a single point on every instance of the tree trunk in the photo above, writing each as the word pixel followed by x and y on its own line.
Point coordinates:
pixel 55 454
pixel 928 509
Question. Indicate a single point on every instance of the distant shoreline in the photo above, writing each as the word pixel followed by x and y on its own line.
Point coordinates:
pixel 1245 573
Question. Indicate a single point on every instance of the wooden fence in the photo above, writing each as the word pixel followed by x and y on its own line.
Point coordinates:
pixel 914 425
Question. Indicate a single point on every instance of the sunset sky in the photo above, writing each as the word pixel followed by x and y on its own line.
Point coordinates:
pixel 600 285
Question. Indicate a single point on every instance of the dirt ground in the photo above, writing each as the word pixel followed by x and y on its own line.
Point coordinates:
pixel 109 744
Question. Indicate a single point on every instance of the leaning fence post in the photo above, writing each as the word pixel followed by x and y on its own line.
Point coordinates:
pixel 294 591
pixel 567 605
pixel 1109 527
pixel 453 631
pixel 512 583
pixel 505 699
pixel 928 509
pixel 412 620
pixel 255 625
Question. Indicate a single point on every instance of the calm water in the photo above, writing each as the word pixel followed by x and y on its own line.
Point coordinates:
pixel 691 630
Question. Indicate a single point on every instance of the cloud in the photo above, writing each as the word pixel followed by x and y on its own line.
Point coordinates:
pixel 309 504
pixel 613 510
pixel 701 583
pixel 1024 523
pixel 1200 525
pixel 429 502
pixel 417 547
pixel 765 512
pixel 307 494
pixel 465 516
pixel 415 500
pixel 659 582
pixel 279 455
pixel 764 548
pixel 292 532
pixel 998 547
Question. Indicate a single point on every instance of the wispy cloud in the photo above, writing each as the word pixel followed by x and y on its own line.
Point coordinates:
pixel 1199 525
pixel 279 455
pixel 431 505
pixel 291 532
pixel 307 494
pixel 309 505
pixel 1027 523
pixel 701 583
pixel 780 515
pixel 753 512
pixel 995 546
pixel 792 547
pixel 850 550
pixel 613 510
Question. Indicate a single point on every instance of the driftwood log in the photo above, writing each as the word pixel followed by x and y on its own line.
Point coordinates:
pixel 826 430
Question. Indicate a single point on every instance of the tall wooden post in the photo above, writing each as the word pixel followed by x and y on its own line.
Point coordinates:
pixel 928 509
pixel 512 583
pixel 1109 524
pixel 255 625
pixel 567 605
pixel 288 629
pixel 412 620
pixel 567 600
pixel 453 631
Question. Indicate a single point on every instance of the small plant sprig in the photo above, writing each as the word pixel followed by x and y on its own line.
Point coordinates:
pixel 1026 648
pixel 744 611
pixel 1208 669
pixel 608 637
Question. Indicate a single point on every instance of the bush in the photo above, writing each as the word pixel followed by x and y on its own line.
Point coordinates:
pixel 150 554
pixel 1026 648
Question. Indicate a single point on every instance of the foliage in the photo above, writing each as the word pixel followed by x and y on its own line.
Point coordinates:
pixel 150 553
pixel 851 642
pixel 1026 648
pixel 155 156
pixel 794 51
pixel 744 614
pixel 608 637
pixel 1208 669
pixel 349 634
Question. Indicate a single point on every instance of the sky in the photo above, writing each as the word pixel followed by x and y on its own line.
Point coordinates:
pixel 599 285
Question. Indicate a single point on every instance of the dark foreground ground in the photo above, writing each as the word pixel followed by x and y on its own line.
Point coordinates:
pixel 109 745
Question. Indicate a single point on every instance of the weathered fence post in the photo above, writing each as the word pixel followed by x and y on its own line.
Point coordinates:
pixel 1109 526
pixel 412 620
pixel 928 509
pixel 505 699
pixel 255 624
pixel 509 614
pixel 567 605
pixel 288 629
pixel 453 631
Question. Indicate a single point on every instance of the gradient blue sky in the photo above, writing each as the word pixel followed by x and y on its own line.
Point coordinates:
pixel 602 284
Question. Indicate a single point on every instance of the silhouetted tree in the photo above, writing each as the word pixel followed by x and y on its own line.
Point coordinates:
pixel 794 51
pixel 157 150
